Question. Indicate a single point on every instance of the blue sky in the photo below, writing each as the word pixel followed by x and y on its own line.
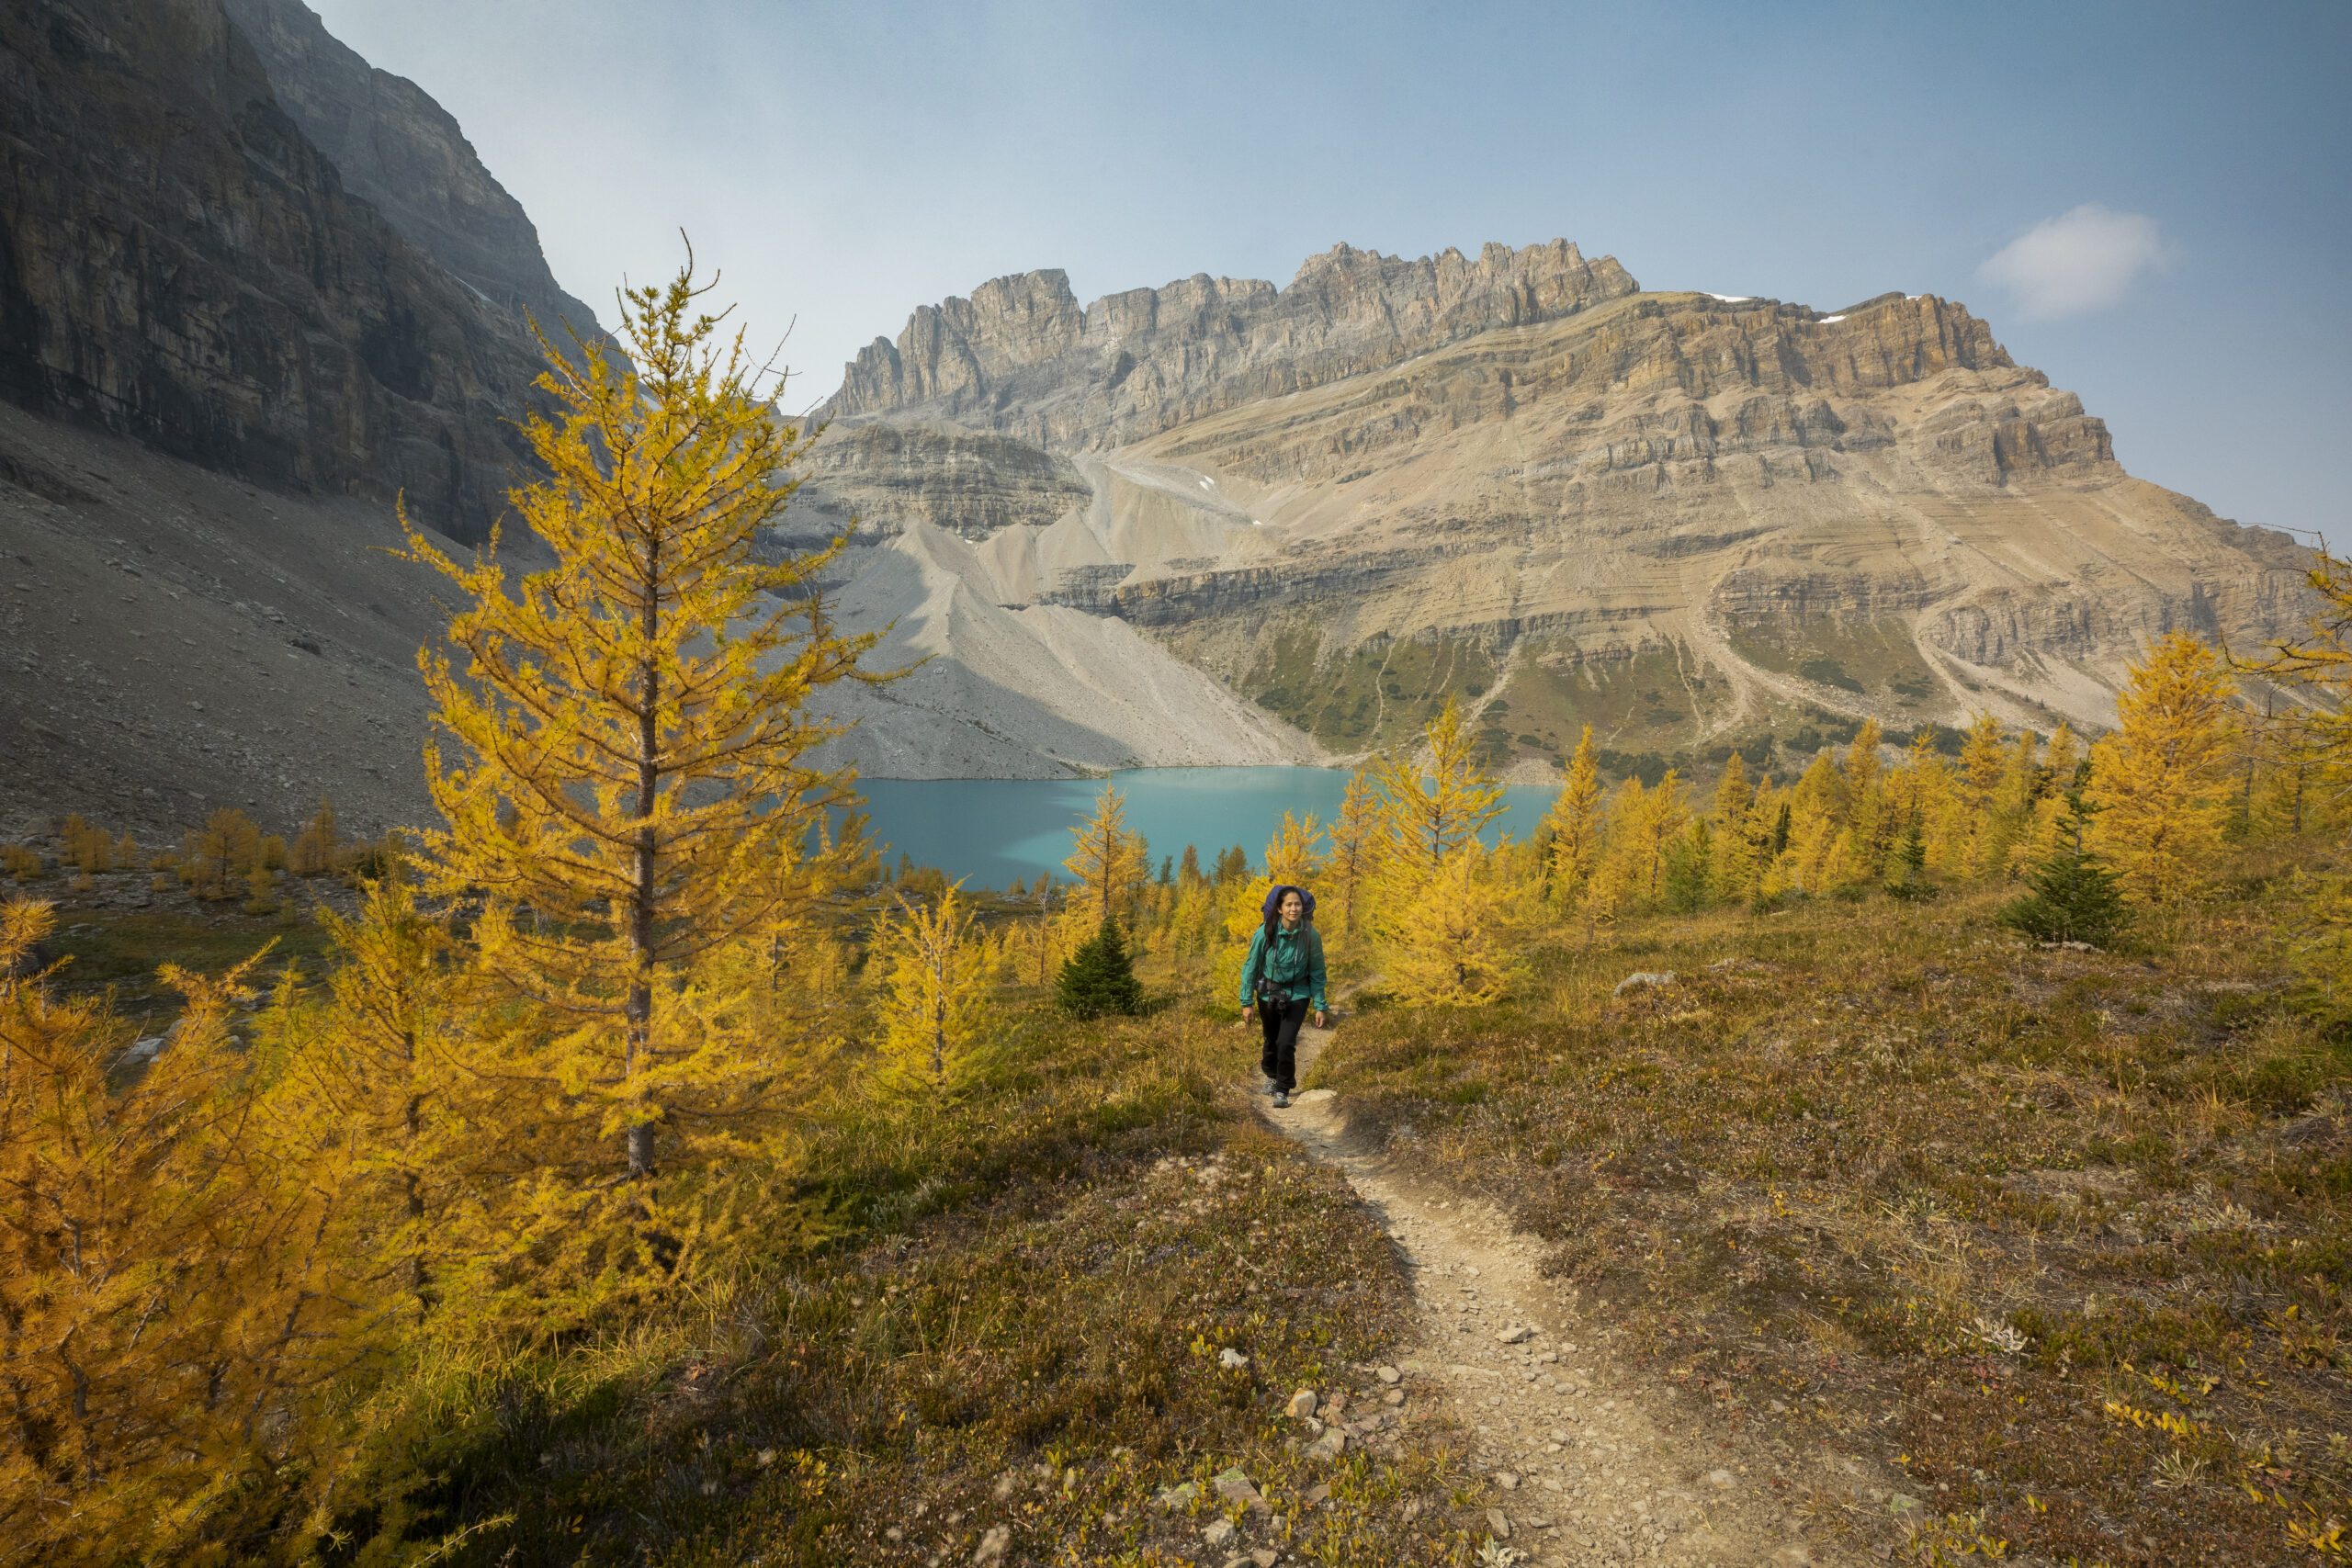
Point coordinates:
pixel 2148 202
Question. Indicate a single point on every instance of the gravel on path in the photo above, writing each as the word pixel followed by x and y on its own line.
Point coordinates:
pixel 1586 1461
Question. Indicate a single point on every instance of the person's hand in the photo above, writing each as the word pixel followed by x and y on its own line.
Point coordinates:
pixel 1248 1015
pixel 1319 1023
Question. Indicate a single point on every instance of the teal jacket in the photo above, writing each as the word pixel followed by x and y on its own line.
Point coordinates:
pixel 1294 967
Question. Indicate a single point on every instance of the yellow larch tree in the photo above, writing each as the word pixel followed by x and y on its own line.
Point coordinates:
pixel 2162 779
pixel 1574 823
pixel 1872 815
pixel 1613 887
pixel 634 746
pixel 1057 930
pixel 1975 825
pixel 316 844
pixel 1355 843
pixel 219 855
pixel 2008 812
pixel 2310 753
pixel 1862 768
pixel 167 1302
pixel 1294 855
pixel 1641 823
pixel 1816 835
pixel 1457 942
pixel 1427 818
pixel 1106 861
pixel 1733 850
pixel 1195 931
pixel 1917 796
pixel 1983 759
pixel 1816 804
pixel 2319 659
pixel 933 1000
pixel 1767 830
pixel 2038 834
pixel 2065 754
pixel 393 1063
pixel 2291 787
pixel 91 849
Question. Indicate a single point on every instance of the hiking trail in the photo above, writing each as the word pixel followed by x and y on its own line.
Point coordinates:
pixel 1592 1462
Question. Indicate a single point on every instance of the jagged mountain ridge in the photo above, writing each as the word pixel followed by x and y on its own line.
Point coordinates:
pixel 1022 357
pixel 1684 518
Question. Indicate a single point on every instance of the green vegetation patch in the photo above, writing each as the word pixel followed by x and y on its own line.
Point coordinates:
pixel 1645 703
pixel 106 950
pixel 1646 711
pixel 1872 659
pixel 1374 697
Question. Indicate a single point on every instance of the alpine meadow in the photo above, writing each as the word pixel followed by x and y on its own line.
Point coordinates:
pixel 1436 909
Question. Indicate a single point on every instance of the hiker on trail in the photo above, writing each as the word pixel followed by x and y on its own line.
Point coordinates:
pixel 1282 981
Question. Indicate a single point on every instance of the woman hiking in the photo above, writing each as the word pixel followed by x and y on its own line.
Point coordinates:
pixel 1282 981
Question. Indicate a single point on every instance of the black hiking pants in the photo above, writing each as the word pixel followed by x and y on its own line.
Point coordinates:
pixel 1280 1023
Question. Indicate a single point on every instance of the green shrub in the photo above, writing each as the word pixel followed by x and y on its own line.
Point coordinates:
pixel 1099 978
pixel 2075 899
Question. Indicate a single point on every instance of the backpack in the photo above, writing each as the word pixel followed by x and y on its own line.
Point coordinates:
pixel 1274 902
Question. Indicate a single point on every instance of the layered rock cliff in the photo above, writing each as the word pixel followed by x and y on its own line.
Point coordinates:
pixel 179 263
pixel 1021 356
pixel 1691 521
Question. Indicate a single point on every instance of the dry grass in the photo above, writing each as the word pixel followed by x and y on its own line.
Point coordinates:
pixel 2058 1235
pixel 1015 1318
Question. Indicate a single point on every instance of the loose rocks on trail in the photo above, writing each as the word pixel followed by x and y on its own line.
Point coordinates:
pixel 1583 1458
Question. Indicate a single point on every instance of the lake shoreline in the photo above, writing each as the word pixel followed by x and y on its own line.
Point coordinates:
pixel 991 832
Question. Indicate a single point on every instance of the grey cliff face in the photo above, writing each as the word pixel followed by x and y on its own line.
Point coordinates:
pixel 398 149
pixel 180 263
pixel 968 482
pixel 1022 357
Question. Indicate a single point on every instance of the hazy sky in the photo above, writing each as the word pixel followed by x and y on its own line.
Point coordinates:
pixel 2148 202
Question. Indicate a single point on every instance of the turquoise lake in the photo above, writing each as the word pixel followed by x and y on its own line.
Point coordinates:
pixel 989 831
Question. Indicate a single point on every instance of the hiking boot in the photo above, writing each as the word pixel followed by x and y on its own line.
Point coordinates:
pixel 1282 1100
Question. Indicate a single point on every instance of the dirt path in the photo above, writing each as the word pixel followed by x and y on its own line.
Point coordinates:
pixel 1594 1466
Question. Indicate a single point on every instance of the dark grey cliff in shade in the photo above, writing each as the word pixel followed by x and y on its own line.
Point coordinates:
pixel 180 263
pixel 398 149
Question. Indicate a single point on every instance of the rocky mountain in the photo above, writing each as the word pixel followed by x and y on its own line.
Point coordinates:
pixel 224 357
pixel 1218 522
pixel 1020 356
pixel 181 263
pixel 404 154
pixel 1695 522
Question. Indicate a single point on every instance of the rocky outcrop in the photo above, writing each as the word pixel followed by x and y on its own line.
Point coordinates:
pixel 1395 483
pixel 179 263
pixel 969 483
pixel 1020 356
pixel 404 154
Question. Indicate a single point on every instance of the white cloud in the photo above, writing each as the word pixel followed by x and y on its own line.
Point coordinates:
pixel 2079 261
